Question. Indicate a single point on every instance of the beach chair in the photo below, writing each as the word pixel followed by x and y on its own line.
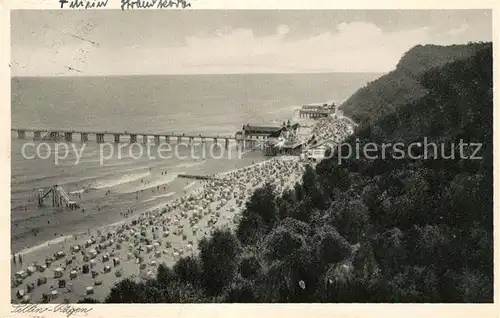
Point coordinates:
pixel 41 281
pixel 45 298
pixel 105 258
pixel 89 290
pixel 26 299
pixel 58 272
pixel 61 283
pixel 85 268
pixel 106 269
pixel 41 267
pixel 59 255
pixel 30 287
pixel 20 293
pixel 49 261
pixel 21 275
pixel 31 270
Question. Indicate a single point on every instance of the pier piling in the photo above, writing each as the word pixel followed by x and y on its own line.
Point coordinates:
pixel 68 137
pixel 99 138
pixel 84 137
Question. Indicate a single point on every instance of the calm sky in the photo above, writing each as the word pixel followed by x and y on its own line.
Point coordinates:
pixel 113 42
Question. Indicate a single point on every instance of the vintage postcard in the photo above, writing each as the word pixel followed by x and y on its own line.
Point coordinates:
pixel 179 152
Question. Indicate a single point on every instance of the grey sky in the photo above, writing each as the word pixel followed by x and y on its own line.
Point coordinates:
pixel 113 42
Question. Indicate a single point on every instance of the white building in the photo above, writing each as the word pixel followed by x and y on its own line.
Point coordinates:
pixel 318 151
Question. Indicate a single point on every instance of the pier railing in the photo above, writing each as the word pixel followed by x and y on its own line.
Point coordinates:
pixel 246 140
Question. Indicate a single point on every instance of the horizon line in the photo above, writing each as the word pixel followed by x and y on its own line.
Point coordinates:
pixel 195 74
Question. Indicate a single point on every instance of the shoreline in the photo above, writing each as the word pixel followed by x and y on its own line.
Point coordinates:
pixel 222 199
pixel 188 190
pixel 32 226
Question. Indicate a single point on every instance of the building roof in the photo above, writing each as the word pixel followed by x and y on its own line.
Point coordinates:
pixel 261 129
pixel 276 133
pixel 315 111
pixel 321 144
pixel 312 106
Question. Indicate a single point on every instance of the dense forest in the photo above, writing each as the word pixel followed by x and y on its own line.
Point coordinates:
pixel 364 230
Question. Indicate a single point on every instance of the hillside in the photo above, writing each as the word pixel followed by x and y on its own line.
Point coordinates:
pixel 361 229
pixel 402 85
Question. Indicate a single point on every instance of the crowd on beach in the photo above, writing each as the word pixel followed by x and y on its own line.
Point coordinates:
pixel 89 264
pixel 334 128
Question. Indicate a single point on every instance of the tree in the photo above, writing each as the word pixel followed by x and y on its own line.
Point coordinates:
pixel 165 275
pixel 240 291
pixel 219 258
pixel 250 267
pixel 188 269
pixel 125 291
pixel 88 300
pixel 282 242
pixel 331 247
pixel 259 215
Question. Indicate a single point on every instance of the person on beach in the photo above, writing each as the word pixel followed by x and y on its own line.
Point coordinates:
pixel 14 258
pixel 20 260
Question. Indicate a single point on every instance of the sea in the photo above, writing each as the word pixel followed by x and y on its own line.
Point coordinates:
pixel 134 180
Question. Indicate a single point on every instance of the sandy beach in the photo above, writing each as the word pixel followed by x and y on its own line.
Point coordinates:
pixel 91 262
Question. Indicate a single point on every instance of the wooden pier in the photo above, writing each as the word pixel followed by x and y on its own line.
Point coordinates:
pixel 248 137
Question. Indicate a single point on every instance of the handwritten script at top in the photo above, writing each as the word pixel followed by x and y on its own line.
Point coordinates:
pixel 84 4
pixel 157 4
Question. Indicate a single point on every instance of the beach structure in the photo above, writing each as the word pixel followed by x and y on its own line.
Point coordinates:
pixel 284 141
pixel 317 111
pixel 317 150
pixel 251 136
pixel 59 197
pixel 130 137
